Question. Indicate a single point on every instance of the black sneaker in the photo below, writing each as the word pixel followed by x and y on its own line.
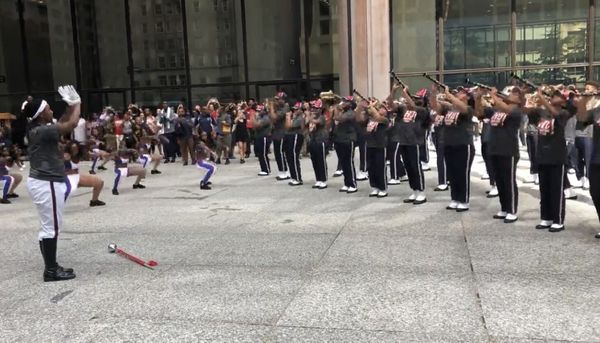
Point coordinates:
pixel 218 161
pixel 101 168
pixel 185 163
pixel 115 192
pixel 155 171
pixel 58 274
pixel 597 235
pixel 227 161
pixel 92 172
pixel 12 195
pixel 242 161
pixel 139 186
pixel 166 161
pixel 173 160
pixel 94 203
pixel 542 227
pixel 556 229
pixel 205 186
pixel 4 201
pixel 68 270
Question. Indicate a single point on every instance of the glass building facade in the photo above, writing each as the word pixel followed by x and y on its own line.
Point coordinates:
pixel 146 51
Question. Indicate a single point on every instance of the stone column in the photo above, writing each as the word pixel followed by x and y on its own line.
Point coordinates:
pixel 370 39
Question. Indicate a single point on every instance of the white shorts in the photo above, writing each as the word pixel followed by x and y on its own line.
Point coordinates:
pixel 144 160
pixel 73 183
pixel 124 172
pixel 49 200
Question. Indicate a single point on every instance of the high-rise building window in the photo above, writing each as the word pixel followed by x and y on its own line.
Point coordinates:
pixel 162 80
pixel 145 28
pixel 144 9
pixel 160 27
pixel 161 62
pixel 182 79
pixel 173 61
pixel 158 9
pixel 173 80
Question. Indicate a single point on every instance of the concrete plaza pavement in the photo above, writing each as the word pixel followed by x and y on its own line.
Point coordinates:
pixel 255 260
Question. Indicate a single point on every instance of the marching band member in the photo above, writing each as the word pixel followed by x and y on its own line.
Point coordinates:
pixel 11 181
pixel 413 121
pixel 122 169
pixel 317 146
pixel 74 180
pixel 344 139
pixel 202 155
pixel 397 170
pixel 551 153
pixel 278 111
pixel 588 113
pixel 46 182
pixel 262 139
pixel 438 141
pixel 377 123
pixel 292 142
pixel 504 120
pixel 458 144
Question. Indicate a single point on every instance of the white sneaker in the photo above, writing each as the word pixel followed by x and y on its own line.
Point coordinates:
pixel 510 218
pixel 501 215
pixel 462 207
pixel 425 166
pixel 344 189
pixel 441 188
pixel 537 179
pixel 262 173
pixel 545 223
pixel 570 194
pixel 382 194
pixel 586 183
pixel 352 190
pixel 338 173
pixel 394 182
pixel 282 176
pixel 493 192
pixel 374 192
pixel 571 171
pixel 452 205
pixel 387 163
pixel 420 199
pixel 531 178
pixel 404 178
pixel 577 183
pixel 411 198
pixel 485 176
pixel 323 185
pixel 288 175
pixel 361 176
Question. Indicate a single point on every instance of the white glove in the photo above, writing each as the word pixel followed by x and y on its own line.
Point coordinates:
pixel 69 95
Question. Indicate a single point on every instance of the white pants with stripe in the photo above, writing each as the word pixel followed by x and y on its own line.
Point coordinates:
pixel 49 200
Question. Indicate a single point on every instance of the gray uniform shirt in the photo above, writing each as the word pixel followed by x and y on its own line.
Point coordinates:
pixel 45 158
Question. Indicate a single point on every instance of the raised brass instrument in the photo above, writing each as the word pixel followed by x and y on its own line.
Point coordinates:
pixel 436 82
pixel 355 92
pixel 329 96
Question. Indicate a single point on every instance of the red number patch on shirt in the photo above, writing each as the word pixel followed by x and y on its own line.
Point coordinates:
pixel 546 127
pixel 498 119
pixel 438 120
pixel 372 126
pixel 451 118
pixel 410 116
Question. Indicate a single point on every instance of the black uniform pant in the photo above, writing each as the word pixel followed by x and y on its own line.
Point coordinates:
pixel 170 147
pixel 362 154
pixel 584 147
pixel 441 164
pixel 318 156
pixel 552 196
pixel 345 154
pixel 595 186
pixel 424 149
pixel 505 169
pixel 411 155
pixel 531 151
pixel 377 168
pixel 292 145
pixel 485 154
pixel 261 150
pixel 459 159
pixel 397 169
pixel 279 155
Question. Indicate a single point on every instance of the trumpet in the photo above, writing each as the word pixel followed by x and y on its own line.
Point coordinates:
pixel 398 81
pixel 486 87
pixel 590 93
pixel 329 96
pixel 436 82
pixel 355 92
